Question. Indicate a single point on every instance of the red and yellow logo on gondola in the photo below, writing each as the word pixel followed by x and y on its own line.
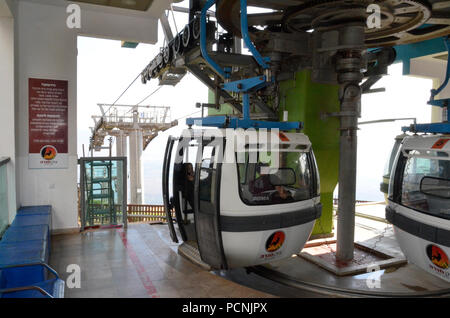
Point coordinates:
pixel 440 143
pixel 437 256
pixel 275 241
pixel 48 152
pixel 283 137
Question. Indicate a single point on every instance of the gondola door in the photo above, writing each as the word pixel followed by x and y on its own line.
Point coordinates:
pixel 178 186
pixel 183 186
pixel 207 205
pixel 165 187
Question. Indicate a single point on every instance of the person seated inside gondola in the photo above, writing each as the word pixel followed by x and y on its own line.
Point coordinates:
pixel 269 183
pixel 262 182
pixel 281 194
pixel 189 185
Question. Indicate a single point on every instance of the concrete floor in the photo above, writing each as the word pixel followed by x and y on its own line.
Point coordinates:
pixel 142 261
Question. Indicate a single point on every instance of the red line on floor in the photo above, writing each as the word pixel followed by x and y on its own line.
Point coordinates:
pixel 146 281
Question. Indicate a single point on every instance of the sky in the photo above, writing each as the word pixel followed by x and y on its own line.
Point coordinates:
pixel 105 70
pixel 405 96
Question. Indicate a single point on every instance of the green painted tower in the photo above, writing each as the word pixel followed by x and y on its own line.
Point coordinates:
pixel 309 103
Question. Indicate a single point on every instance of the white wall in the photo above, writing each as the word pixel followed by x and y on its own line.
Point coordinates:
pixel 7 143
pixel 46 48
pixel 115 26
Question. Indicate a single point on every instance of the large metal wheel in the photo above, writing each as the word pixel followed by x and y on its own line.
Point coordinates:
pixel 402 21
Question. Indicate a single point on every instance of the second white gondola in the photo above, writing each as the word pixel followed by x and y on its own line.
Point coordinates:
pixel 419 202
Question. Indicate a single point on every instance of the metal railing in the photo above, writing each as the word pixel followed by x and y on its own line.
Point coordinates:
pixel 336 201
pixel 147 213
pixel 138 213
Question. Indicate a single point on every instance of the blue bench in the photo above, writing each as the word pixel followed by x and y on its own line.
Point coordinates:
pixel 27 233
pixel 24 256
pixel 32 210
pixel 51 288
pixel 22 222
pixel 23 253
pixel 32 219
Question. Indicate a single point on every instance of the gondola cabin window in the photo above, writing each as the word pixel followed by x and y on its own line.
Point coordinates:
pixel 208 174
pixel 426 183
pixel 275 177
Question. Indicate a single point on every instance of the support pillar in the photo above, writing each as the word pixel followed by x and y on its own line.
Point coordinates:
pixel 305 101
pixel 348 67
pixel 121 145
pixel 121 151
pixel 136 149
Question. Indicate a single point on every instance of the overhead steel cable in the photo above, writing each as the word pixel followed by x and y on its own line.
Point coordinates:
pixel 123 93
pixel 148 96
pixel 151 94
pixel 189 115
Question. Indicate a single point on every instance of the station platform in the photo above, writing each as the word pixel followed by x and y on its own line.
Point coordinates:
pixel 139 262
pixel 142 261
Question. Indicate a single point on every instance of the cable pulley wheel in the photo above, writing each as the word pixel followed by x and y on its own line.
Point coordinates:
pixel 186 37
pixel 176 45
pixel 196 28
pixel 401 21
pixel 166 55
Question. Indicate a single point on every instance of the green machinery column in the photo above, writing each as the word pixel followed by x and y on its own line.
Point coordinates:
pixel 308 102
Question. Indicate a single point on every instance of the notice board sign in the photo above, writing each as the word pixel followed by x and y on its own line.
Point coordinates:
pixel 48 124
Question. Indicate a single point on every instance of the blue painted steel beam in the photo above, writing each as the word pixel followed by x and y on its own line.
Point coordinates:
pixel 435 128
pixel 440 102
pixel 242 86
pixel 246 106
pixel 225 73
pixel 434 92
pixel 246 85
pixel 210 121
pixel 406 52
pixel 234 122
pixel 247 40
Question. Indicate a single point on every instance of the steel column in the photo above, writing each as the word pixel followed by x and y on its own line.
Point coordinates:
pixel 349 77
pixel 136 149
pixel 121 145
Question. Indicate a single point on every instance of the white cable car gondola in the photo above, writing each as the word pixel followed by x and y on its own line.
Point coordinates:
pixel 419 191
pixel 241 208
pixel 419 202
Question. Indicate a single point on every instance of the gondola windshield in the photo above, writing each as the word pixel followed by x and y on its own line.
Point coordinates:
pixel 276 177
pixel 426 183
